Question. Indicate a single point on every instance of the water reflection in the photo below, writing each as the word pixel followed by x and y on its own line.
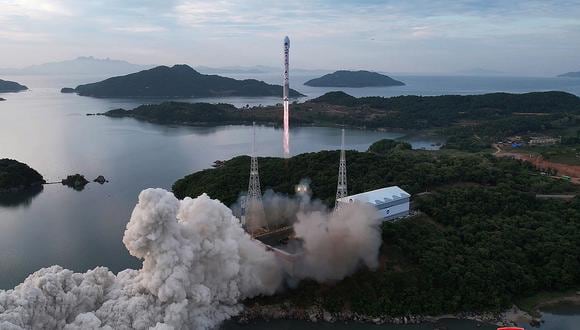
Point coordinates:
pixel 21 198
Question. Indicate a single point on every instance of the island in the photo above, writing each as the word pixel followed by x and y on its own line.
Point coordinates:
pixel 75 181
pixel 7 86
pixel 470 122
pixel 481 239
pixel 67 90
pixel 178 81
pixel 2 99
pixel 344 78
pixel 16 176
pixel 570 75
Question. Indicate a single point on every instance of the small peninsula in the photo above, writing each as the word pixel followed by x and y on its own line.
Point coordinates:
pixel 7 86
pixel 468 122
pixel 178 81
pixel 16 176
pixel 570 75
pixel 344 78
pixel 471 212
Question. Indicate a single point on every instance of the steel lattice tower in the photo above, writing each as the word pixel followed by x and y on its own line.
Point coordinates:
pixel 341 189
pixel 253 201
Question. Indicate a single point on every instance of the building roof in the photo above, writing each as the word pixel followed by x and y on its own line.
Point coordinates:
pixel 379 196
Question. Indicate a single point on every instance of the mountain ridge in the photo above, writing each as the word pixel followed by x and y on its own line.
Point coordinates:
pixel 178 81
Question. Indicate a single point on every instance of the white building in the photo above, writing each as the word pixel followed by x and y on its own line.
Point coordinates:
pixel 390 202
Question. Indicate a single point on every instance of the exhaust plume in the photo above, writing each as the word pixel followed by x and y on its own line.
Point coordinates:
pixel 198 264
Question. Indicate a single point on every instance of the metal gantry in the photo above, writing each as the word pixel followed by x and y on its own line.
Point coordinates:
pixel 252 208
pixel 341 189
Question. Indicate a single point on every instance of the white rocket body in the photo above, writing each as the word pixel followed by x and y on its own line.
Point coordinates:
pixel 286 93
pixel 286 69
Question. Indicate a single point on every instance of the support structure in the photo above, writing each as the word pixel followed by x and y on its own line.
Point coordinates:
pixel 253 217
pixel 341 189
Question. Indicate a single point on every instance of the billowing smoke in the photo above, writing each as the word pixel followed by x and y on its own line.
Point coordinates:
pixel 198 264
pixel 335 244
pixel 332 244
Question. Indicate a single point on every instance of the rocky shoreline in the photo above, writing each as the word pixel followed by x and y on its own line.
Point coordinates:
pixel 317 314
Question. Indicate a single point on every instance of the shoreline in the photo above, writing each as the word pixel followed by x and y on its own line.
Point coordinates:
pixel 510 317
pixel 317 314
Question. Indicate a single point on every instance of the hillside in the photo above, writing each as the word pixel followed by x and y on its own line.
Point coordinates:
pixel 16 176
pixel 471 122
pixel 178 81
pixel 7 86
pixel 482 240
pixel 344 78
pixel 570 75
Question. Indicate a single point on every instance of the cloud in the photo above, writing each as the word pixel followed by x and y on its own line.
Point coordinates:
pixel 140 29
pixel 36 9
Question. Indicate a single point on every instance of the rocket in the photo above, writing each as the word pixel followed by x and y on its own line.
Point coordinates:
pixel 286 64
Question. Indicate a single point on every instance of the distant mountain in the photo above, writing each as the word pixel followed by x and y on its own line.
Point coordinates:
pixel 11 86
pixel 80 66
pixel 255 69
pixel 180 81
pixel 570 75
pixel 361 78
pixel 236 69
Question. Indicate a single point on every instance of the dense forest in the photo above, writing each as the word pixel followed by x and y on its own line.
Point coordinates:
pixel 361 78
pixel 481 239
pixel 413 170
pixel 15 176
pixel 471 122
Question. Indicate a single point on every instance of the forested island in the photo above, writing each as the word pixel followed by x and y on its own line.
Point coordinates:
pixel 178 81
pixel 471 122
pixel 361 78
pixel 481 239
pixel 7 86
pixel 16 176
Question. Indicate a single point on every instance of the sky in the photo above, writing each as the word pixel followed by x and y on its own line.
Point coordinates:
pixel 519 37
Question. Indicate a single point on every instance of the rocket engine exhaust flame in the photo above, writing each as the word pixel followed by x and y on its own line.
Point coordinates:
pixel 286 138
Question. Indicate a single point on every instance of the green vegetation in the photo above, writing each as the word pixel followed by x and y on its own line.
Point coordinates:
pixel 414 171
pixel 531 303
pixel 344 78
pixel 177 81
pixel 558 153
pixel 11 86
pixel 471 123
pixel 75 181
pixel 16 176
pixel 385 146
pixel 481 241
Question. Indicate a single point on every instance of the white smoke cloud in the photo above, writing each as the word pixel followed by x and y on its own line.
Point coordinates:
pixel 336 244
pixel 198 264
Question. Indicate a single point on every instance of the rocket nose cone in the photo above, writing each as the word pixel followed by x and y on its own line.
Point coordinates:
pixel 286 40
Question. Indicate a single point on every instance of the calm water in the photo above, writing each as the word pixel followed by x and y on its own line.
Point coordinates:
pixel 81 230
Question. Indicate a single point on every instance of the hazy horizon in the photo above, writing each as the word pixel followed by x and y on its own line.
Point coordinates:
pixel 530 38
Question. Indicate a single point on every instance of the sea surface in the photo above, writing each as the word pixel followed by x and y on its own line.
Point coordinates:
pixel 81 230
